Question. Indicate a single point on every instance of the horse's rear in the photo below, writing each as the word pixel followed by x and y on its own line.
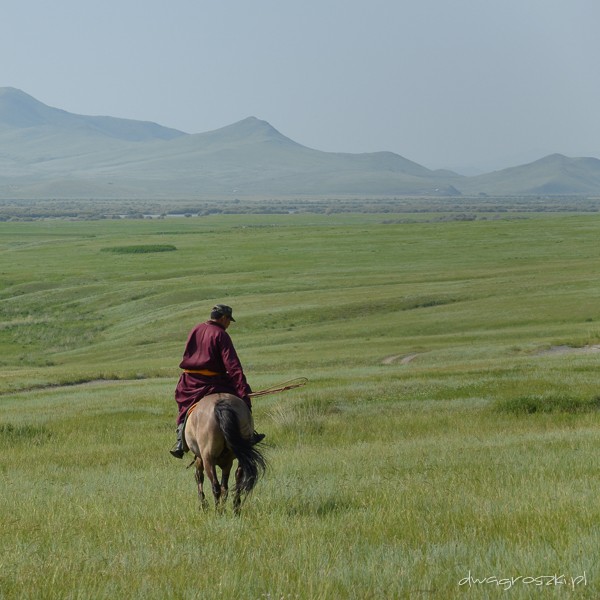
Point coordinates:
pixel 219 430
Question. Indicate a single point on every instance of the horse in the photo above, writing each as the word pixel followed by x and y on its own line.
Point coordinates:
pixel 219 429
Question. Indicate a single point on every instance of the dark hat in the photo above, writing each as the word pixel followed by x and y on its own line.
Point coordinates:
pixel 223 310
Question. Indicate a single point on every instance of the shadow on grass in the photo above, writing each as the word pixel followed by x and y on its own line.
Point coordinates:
pixel 318 507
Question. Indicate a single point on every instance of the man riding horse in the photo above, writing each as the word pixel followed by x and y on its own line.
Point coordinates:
pixel 210 366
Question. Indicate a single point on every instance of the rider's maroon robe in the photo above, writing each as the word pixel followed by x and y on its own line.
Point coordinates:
pixel 209 348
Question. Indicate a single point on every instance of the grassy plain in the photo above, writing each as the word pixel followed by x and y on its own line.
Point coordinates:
pixel 441 433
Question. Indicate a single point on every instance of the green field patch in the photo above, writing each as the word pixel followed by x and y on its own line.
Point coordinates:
pixel 388 478
pixel 35 435
pixel 548 403
pixel 427 302
pixel 309 416
pixel 344 309
pixel 140 249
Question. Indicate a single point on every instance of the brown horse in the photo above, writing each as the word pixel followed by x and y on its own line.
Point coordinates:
pixel 219 429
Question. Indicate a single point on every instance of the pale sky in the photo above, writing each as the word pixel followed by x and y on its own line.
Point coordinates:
pixel 455 84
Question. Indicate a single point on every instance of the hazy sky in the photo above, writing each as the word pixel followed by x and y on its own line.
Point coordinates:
pixel 446 83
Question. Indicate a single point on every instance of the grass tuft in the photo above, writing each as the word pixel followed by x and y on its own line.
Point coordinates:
pixel 140 249
pixel 23 434
pixel 548 403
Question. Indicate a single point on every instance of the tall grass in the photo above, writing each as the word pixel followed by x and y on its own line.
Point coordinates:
pixel 387 478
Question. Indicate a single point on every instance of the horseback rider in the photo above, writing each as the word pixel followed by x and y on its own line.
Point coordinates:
pixel 210 366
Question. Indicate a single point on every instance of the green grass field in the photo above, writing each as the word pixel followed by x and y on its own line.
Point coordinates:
pixel 449 432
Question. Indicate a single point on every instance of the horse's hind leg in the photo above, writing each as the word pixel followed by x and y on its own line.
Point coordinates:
pixel 237 496
pixel 200 482
pixel 211 473
pixel 225 472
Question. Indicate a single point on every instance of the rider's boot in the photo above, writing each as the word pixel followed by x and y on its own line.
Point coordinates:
pixel 177 450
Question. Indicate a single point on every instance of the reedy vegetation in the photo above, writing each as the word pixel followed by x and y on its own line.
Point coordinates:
pixel 387 479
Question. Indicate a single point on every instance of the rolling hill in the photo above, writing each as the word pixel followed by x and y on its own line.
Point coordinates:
pixel 552 175
pixel 46 152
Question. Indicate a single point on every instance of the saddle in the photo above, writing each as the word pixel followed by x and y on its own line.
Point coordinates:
pixel 190 410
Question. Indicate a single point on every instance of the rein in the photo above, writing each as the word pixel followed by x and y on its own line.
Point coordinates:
pixel 281 387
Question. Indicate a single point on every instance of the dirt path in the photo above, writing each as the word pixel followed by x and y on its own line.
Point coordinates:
pixel 559 350
pixel 403 358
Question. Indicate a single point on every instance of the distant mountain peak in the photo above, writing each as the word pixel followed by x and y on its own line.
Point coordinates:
pixel 4 91
pixel 560 160
pixel 255 121
pixel 253 124
pixel 249 130
pixel 19 110
pixel 553 158
pixel 12 91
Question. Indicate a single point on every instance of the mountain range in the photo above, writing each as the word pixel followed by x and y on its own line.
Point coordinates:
pixel 46 152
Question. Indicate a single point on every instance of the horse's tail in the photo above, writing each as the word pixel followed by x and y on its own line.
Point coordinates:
pixel 251 460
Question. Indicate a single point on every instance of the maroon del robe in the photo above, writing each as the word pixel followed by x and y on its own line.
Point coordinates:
pixel 209 349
